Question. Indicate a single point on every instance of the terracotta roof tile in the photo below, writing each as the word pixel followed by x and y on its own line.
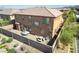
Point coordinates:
pixel 9 11
pixel 40 11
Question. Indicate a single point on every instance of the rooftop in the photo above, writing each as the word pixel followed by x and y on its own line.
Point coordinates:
pixel 8 11
pixel 40 11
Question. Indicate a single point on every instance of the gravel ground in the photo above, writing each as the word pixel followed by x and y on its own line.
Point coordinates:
pixel 19 47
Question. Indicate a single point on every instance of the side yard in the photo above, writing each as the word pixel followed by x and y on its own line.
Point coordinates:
pixel 68 35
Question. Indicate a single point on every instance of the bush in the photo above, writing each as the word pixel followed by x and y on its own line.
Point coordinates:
pixel 6 40
pixel 2 46
pixel 71 16
pixel 9 40
pixel 3 40
pixel 12 50
pixel 4 22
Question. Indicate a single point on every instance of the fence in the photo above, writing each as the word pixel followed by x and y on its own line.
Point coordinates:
pixel 39 46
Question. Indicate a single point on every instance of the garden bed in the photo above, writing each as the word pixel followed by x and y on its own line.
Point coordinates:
pixel 69 32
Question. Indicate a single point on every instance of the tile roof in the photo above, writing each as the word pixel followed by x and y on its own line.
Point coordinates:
pixel 55 12
pixel 40 11
pixel 8 11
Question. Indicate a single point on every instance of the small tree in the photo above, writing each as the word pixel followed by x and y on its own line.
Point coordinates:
pixel 71 16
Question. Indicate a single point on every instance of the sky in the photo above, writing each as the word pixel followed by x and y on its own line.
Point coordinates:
pixel 28 6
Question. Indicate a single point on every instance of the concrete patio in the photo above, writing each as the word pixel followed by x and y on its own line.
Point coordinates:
pixel 28 36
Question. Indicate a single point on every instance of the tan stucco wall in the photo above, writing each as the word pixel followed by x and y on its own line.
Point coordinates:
pixel 57 23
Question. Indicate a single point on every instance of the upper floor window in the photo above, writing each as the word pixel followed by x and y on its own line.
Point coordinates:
pixel 46 20
pixel 29 17
pixel 36 23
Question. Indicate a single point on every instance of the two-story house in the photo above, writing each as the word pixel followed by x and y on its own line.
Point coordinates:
pixel 7 14
pixel 39 21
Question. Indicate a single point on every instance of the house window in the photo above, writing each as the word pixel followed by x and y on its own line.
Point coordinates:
pixel 36 23
pixel 46 20
pixel 29 17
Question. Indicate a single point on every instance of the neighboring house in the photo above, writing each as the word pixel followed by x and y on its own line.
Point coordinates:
pixel 39 21
pixel 77 17
pixel 7 14
pixel 62 9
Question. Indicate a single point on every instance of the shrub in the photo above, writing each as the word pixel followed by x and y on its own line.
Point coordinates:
pixel 3 40
pixel 71 16
pixel 9 40
pixel 6 40
pixel 2 46
pixel 12 50
pixel 4 22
